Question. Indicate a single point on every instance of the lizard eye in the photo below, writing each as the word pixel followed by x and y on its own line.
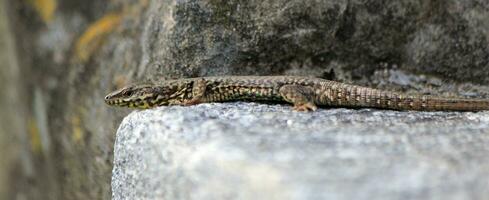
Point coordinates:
pixel 128 93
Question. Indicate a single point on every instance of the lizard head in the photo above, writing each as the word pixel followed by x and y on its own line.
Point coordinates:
pixel 140 96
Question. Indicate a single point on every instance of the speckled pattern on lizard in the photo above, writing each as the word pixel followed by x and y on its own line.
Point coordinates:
pixel 305 93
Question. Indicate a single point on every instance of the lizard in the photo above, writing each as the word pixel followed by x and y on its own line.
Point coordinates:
pixel 304 93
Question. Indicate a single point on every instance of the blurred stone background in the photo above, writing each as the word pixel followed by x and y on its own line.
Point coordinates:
pixel 59 58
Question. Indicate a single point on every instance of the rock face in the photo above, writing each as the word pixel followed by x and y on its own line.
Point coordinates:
pixel 258 151
pixel 10 127
pixel 64 56
pixel 446 38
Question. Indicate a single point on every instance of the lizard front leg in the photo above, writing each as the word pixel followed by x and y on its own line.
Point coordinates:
pixel 301 96
pixel 198 91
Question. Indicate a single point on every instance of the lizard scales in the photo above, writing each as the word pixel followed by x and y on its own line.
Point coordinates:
pixel 303 92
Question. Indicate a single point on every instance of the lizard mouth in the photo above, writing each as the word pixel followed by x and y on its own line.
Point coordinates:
pixel 114 99
pixel 116 102
pixel 110 100
pixel 130 103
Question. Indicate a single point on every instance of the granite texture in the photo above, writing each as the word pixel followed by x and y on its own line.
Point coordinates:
pixel 260 151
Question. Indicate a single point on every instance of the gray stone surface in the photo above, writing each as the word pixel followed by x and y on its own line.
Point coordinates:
pixel 448 38
pixel 260 151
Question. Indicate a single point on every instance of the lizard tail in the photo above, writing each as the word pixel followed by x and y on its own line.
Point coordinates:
pixel 356 96
pixel 396 101
pixel 430 103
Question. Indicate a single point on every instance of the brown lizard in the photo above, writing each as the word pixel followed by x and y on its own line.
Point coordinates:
pixel 303 92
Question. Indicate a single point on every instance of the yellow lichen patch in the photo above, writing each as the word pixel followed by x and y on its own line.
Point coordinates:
pixel 45 8
pixel 77 132
pixel 95 34
pixel 34 137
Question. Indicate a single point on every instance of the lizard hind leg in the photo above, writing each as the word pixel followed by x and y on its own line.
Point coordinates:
pixel 301 96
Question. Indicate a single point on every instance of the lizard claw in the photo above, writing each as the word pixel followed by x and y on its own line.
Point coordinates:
pixel 191 102
pixel 305 107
